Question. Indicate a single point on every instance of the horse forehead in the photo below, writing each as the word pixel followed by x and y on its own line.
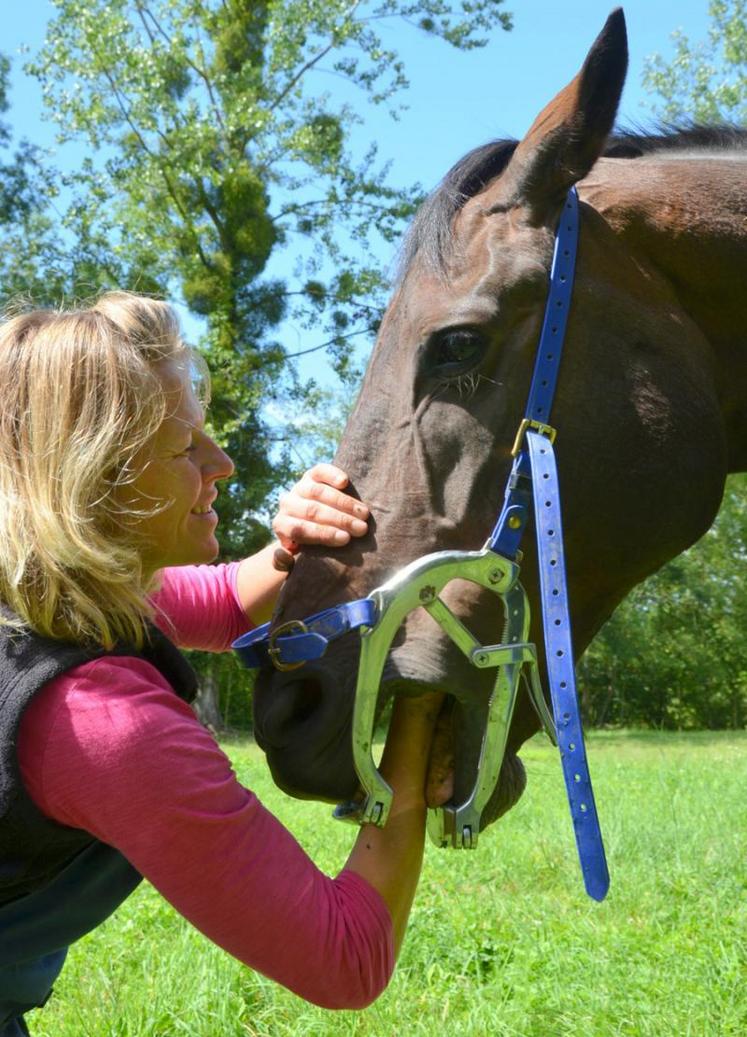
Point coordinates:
pixel 489 254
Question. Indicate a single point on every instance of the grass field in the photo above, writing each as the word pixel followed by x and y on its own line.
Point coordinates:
pixel 503 941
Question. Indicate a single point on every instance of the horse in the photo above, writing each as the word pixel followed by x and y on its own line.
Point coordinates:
pixel 650 410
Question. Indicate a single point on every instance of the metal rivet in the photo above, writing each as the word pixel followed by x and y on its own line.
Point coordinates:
pixel 514 522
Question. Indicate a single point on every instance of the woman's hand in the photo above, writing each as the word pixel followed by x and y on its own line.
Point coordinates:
pixel 317 511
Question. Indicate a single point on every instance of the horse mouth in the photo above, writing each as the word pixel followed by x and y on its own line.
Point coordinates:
pixel 452 767
pixel 306 734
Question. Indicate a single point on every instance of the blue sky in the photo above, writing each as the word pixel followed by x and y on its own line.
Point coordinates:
pixel 456 100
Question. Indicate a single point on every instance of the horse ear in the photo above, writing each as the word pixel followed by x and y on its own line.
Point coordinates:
pixel 568 136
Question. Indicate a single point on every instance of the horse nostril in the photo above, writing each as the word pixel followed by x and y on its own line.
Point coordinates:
pixel 281 707
pixel 306 694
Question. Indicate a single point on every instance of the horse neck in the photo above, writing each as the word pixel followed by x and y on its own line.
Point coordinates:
pixel 686 216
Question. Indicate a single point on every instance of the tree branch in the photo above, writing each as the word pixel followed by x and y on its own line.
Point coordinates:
pixel 329 342
pixel 310 63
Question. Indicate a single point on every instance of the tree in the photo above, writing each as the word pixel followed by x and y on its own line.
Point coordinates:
pixel 211 147
pixel 706 81
pixel 674 653
pixel 28 245
pixel 214 142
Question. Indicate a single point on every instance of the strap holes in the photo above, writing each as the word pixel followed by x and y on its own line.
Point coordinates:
pixel 550 356
pixel 555 593
pixel 548 503
pixel 560 653
pixel 566 252
pixel 555 331
pixel 571 747
pixel 559 303
pixel 563 684
pixel 558 622
pixel 545 476
pixel 551 532
pixel 566 716
pixel 583 808
pixel 577 777
pixel 553 562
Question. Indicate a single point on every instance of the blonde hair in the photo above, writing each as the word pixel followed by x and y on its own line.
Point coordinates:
pixel 79 398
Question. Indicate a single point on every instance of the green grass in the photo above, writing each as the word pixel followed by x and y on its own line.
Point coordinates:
pixel 503 941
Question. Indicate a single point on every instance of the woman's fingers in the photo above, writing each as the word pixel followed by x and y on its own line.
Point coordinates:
pixel 327 473
pixel 439 787
pixel 292 531
pixel 315 511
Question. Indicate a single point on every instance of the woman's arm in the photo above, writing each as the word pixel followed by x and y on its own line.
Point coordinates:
pixel 315 511
pixel 390 858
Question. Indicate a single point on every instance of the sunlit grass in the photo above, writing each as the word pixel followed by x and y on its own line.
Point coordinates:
pixel 503 941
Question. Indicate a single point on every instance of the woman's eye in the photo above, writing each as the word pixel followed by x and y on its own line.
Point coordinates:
pixel 459 349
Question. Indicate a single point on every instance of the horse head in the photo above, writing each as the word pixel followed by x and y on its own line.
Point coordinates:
pixel 641 442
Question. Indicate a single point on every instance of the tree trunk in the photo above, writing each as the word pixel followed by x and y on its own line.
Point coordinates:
pixel 206 701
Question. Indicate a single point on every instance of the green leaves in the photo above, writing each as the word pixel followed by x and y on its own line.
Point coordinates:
pixel 706 81
pixel 674 654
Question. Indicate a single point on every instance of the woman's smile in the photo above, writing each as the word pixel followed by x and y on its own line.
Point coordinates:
pixel 174 490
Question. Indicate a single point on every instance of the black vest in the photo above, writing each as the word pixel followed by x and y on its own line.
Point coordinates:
pixel 56 883
pixel 33 848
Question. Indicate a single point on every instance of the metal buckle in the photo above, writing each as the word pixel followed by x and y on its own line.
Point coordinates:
pixel 537 426
pixel 293 625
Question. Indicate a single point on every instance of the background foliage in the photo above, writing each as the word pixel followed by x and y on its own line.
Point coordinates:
pixel 219 172
pixel 705 81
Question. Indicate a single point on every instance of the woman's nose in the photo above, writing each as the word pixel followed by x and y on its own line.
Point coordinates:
pixel 219 465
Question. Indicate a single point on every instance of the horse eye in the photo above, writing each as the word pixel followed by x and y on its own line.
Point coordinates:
pixel 461 348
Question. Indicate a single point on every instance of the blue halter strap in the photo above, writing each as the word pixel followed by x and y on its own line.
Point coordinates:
pixel 533 481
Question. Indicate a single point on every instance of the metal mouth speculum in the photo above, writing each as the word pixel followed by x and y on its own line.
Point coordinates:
pixel 419 585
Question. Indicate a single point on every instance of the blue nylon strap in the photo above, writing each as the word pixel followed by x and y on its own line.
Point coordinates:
pixel 308 644
pixel 560 666
pixel 509 528
pixel 549 350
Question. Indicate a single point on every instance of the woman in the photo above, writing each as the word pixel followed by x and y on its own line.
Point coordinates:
pixel 107 481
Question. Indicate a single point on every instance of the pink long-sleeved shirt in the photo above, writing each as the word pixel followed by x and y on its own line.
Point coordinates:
pixel 108 747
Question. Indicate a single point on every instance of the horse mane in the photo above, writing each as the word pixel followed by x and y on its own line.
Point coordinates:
pixel 429 235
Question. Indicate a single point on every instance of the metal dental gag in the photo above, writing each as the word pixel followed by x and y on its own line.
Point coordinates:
pixel 533 482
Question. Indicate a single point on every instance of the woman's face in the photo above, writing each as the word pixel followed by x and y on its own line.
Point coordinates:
pixel 179 468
